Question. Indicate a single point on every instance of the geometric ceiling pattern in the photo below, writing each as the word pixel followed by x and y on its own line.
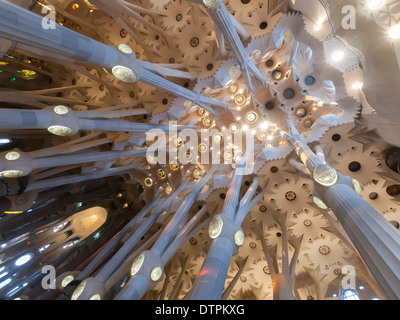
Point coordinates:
pixel 82 192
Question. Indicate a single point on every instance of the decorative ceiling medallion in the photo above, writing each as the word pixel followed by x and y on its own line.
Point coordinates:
pixel 324 250
pixel 290 196
pixel 337 271
pixel 266 270
pixel 263 208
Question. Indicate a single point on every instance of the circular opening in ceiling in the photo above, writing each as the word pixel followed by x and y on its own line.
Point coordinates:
pixel 310 80
pixel 393 190
pixel 194 42
pixel 395 224
pixel 270 105
pixel 373 196
pixel 222 195
pixel 336 137
pixel 245 1
pixel 278 234
pixel 289 93
pixel 270 63
pixel 210 66
pixel 263 25
pixel 290 196
pixel 274 169
pixel 354 166
pixel 277 74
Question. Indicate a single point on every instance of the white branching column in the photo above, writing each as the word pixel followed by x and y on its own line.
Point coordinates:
pixel 224 24
pixel 375 238
pixel 96 286
pixel 148 268
pixel 63 121
pixel 282 281
pixel 225 230
pixel 25 28
pixel 16 163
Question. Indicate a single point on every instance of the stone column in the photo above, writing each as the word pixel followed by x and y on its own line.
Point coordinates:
pixel 227 237
pixel 375 238
pixel 224 22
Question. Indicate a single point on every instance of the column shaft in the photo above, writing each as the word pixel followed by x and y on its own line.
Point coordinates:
pixel 210 282
pixel 20 25
pixel 375 238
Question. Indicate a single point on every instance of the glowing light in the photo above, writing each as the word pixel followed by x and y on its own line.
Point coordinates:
pixel 136 265
pixel 156 274
pixel 233 89
pixel 174 166
pixel 375 4
pixel 207 121
pixel 394 32
pixel 301 112
pixel 5 282
pixel 239 238
pixel 228 155
pixel 75 6
pixel 67 280
pixel 318 26
pixel 125 49
pixel 197 173
pixel 356 186
pixel 60 130
pixel 320 203
pixel 79 289
pixel 148 182
pixel 95 297
pixel 269 145
pixel 325 175
pixel 124 74
pixel 262 135
pixel 60 110
pixel 13 155
pixel 264 126
pixel 357 85
pixel 215 227
pixel 151 160
pixel 337 55
pixel 218 138
pixel 251 117
pixel 12 173
pixel 240 99
pixel 161 174
pixel 22 260
pixel 234 127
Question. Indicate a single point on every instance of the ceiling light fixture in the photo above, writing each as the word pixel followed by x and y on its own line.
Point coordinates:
pixel 375 4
